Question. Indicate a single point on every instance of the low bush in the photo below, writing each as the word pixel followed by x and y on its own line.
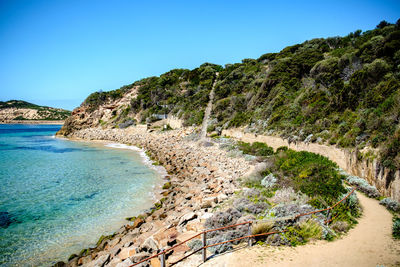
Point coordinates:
pixel 363 186
pixel 314 175
pixel 288 195
pixel 391 204
pixel 396 228
pixel 256 149
pixel 269 181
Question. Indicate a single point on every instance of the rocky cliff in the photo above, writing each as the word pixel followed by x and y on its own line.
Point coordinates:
pixel 110 112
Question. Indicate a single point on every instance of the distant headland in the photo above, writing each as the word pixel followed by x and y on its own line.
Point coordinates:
pixel 18 111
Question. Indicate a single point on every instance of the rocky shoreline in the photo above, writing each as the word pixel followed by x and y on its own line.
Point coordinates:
pixel 201 176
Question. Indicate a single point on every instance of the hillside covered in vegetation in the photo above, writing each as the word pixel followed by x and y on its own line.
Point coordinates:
pixel 342 91
pixel 21 110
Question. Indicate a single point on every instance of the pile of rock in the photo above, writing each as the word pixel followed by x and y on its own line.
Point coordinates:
pixel 200 178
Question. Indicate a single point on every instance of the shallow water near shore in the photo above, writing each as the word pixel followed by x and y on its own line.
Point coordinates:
pixel 58 196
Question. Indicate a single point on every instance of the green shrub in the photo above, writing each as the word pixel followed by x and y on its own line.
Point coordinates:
pixel 167 185
pixel 312 174
pixel 256 149
pixel 390 154
pixel 19 118
pixel 239 119
pixel 396 228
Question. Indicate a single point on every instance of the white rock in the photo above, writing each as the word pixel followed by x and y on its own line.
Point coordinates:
pixel 125 263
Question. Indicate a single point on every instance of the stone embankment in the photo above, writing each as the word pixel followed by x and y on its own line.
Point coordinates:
pixel 385 180
pixel 201 177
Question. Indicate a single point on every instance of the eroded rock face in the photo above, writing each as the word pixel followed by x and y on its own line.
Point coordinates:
pixel 84 117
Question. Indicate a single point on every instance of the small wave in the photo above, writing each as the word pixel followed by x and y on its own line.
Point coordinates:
pixel 123 146
pixel 146 160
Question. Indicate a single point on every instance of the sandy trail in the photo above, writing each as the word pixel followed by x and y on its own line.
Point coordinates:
pixel 370 243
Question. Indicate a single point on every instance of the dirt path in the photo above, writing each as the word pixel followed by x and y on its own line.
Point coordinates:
pixel 370 243
pixel 208 110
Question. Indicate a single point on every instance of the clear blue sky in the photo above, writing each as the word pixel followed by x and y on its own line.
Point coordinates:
pixel 57 52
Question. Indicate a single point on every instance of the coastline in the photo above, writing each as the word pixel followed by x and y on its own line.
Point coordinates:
pixel 33 122
pixel 118 172
pixel 199 178
pixel 146 160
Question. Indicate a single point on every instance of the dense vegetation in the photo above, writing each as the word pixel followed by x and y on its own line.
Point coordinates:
pixel 46 113
pixel 17 104
pixel 312 174
pixel 341 90
pixel 289 182
pixel 255 149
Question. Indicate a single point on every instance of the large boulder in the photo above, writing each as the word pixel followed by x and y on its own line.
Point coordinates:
pixel 186 218
pixel 137 223
pixel 126 253
pixel 149 245
pixel 138 257
pixel 102 260
pixel 126 263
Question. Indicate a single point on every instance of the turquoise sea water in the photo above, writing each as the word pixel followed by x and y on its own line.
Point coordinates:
pixel 58 196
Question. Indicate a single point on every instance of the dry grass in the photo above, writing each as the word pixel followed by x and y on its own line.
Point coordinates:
pixel 262 227
pixel 310 229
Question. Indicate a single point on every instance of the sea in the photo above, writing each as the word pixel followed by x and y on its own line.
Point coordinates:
pixel 59 196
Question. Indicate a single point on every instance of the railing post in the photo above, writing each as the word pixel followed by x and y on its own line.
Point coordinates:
pixel 328 216
pixel 249 232
pixel 204 244
pixel 162 258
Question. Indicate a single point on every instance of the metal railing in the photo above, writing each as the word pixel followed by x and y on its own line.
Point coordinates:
pixel 204 247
